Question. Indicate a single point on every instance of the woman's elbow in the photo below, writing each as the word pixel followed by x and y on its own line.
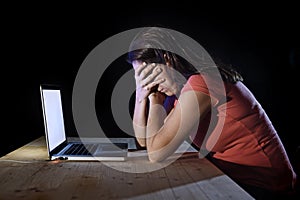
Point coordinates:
pixel 141 142
pixel 158 152
pixel 155 157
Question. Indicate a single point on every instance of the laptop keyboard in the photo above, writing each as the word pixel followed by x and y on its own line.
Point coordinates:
pixel 81 149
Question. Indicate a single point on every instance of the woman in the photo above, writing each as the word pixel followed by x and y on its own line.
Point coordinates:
pixel 220 116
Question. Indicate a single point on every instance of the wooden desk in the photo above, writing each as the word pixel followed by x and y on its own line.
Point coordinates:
pixel 26 174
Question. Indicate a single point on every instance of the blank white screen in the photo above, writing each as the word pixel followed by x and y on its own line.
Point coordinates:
pixel 54 118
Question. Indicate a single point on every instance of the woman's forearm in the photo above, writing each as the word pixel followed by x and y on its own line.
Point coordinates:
pixel 140 121
pixel 156 117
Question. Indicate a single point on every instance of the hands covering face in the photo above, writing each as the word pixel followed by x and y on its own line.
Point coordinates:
pixel 154 77
pixel 146 78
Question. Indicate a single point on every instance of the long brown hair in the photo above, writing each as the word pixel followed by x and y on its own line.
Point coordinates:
pixel 153 44
pixel 151 55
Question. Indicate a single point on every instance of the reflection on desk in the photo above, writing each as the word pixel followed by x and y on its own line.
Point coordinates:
pixel 27 174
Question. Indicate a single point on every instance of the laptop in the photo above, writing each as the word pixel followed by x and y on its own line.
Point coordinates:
pixel 58 145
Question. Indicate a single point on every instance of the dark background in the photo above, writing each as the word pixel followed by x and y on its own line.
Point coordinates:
pixel 48 43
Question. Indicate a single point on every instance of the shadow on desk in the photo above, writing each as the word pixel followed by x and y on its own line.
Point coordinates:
pixel 188 177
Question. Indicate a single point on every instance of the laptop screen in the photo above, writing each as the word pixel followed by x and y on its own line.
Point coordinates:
pixel 53 117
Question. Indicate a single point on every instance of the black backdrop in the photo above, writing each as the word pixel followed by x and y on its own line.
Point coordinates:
pixel 49 43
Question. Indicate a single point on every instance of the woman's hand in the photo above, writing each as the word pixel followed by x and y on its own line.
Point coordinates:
pixel 145 78
pixel 157 98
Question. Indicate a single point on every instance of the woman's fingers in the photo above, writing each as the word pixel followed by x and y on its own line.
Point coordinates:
pixel 143 70
pixel 154 83
pixel 151 77
pixel 139 69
